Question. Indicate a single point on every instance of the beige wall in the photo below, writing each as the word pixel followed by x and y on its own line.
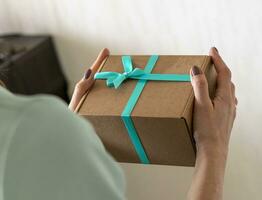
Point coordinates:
pixel 82 27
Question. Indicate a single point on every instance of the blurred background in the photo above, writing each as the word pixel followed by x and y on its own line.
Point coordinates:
pixel 80 28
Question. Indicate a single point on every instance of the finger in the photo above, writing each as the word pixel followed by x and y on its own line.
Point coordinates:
pixel 80 89
pixel 98 62
pixel 200 86
pixel 233 90
pixel 220 65
pixel 100 58
pixel 84 84
pixel 236 101
pixel 233 93
pixel 223 74
pixel 87 74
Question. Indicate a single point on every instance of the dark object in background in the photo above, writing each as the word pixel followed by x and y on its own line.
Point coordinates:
pixel 29 65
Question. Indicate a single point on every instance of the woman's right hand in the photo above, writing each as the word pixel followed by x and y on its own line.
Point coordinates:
pixel 212 123
pixel 213 118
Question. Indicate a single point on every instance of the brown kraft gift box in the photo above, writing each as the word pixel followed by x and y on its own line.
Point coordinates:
pixel 162 115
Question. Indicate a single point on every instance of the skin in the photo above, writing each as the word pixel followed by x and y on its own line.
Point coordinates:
pixel 212 123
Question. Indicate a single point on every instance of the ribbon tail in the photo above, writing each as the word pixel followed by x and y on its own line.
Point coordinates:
pixel 164 77
pixel 105 75
pixel 118 81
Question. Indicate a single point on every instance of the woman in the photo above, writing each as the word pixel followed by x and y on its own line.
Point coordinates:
pixel 48 152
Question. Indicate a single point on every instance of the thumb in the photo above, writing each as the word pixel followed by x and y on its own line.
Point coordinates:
pixel 200 86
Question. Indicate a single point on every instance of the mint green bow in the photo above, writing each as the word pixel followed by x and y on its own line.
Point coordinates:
pixel 115 79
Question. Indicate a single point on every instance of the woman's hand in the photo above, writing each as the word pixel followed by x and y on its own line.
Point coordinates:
pixel 212 123
pixel 84 84
pixel 213 118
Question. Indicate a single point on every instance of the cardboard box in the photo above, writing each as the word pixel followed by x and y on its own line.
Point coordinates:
pixel 162 115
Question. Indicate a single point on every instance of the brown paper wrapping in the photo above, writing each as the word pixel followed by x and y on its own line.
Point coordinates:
pixel 162 115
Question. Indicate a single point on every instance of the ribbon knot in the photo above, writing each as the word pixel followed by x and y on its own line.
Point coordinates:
pixel 115 79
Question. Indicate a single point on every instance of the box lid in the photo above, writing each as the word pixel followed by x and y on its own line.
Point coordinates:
pixel 158 99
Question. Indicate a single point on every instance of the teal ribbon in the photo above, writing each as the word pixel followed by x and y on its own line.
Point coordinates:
pixel 115 79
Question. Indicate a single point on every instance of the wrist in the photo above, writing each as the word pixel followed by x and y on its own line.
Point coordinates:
pixel 213 144
pixel 212 152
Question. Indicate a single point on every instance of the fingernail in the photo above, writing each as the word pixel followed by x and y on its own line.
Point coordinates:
pixel 195 71
pixel 87 74
pixel 216 49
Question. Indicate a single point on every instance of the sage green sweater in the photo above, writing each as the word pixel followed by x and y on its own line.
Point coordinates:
pixel 49 153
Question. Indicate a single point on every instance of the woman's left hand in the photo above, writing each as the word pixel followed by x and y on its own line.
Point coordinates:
pixel 83 85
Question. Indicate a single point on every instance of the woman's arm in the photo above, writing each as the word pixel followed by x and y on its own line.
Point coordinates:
pixel 213 121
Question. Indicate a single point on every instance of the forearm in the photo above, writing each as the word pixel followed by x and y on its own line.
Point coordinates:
pixel 207 183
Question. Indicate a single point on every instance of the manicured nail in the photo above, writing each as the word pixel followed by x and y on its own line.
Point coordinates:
pixel 196 71
pixel 87 74
pixel 216 49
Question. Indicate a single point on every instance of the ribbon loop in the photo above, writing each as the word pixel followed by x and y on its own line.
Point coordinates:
pixel 115 79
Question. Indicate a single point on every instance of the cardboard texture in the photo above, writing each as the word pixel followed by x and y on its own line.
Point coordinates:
pixel 162 115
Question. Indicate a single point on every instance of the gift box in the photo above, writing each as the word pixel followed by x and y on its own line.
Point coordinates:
pixel 141 107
